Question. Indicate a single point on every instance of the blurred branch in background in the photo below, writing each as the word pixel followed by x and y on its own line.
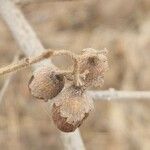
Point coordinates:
pixel 133 47
pixel 119 95
pixel 6 83
pixel 22 2
pixel 13 123
pixel 30 44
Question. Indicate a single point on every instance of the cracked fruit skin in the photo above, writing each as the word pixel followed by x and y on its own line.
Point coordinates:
pixel 96 63
pixel 70 108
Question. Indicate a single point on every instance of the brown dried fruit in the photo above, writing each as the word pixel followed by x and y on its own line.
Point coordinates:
pixel 45 83
pixel 95 62
pixel 70 108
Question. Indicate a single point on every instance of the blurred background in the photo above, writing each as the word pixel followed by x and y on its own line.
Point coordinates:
pixel 123 27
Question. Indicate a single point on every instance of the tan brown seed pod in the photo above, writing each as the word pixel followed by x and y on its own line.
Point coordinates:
pixel 45 83
pixel 96 63
pixel 70 108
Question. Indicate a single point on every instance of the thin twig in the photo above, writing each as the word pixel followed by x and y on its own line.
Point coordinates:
pixel 26 62
pixel 76 73
pixel 31 45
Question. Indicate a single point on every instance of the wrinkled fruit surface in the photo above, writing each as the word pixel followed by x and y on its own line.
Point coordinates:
pixel 70 108
pixel 46 84
pixel 96 64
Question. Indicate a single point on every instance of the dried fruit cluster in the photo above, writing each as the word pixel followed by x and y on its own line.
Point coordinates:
pixel 71 105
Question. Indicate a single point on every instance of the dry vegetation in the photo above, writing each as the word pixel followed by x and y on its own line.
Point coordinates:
pixel 121 26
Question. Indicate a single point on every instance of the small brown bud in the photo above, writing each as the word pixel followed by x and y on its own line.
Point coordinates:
pixel 70 108
pixel 45 83
pixel 96 63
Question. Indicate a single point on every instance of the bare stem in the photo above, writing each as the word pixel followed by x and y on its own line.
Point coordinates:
pixel 26 62
pixel 77 80
pixel 64 52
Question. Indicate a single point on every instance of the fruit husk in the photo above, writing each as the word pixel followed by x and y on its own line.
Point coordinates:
pixel 96 64
pixel 70 108
pixel 45 84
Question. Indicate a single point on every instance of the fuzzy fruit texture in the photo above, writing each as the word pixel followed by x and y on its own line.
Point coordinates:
pixel 96 63
pixel 45 83
pixel 70 108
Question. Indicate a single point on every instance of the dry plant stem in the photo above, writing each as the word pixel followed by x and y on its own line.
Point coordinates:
pixel 26 62
pixel 76 73
pixel 30 44
pixel 65 52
